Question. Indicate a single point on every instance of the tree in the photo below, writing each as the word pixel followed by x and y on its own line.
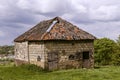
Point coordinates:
pixel 104 50
pixel 116 57
pixel 6 49
pixel 118 41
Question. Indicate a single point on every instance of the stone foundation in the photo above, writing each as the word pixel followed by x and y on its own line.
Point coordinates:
pixel 20 62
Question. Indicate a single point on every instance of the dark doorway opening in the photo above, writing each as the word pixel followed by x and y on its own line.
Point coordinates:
pixel 86 55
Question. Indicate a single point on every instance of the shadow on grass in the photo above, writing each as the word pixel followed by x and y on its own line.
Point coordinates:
pixel 34 68
pixel 97 67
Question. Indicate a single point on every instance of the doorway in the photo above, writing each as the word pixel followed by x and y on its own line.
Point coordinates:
pixel 53 60
pixel 86 59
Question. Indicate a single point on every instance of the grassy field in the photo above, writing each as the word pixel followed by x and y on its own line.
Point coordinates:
pixel 24 73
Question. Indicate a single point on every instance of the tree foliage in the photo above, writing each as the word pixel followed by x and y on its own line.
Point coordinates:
pixel 118 41
pixel 105 48
pixel 116 56
pixel 6 49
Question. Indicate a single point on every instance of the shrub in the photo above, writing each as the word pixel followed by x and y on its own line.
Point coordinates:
pixel 104 50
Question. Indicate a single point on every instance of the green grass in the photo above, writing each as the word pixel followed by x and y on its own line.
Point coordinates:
pixel 26 73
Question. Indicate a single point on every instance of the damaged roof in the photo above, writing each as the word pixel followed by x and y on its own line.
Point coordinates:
pixel 55 29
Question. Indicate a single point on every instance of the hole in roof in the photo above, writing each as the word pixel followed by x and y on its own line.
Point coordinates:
pixel 53 23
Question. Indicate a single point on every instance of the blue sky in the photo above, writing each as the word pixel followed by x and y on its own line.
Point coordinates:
pixel 99 17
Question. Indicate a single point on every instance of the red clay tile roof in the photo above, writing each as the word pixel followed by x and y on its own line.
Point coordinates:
pixel 55 29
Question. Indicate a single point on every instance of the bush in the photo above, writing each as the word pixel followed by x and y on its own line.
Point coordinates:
pixel 104 50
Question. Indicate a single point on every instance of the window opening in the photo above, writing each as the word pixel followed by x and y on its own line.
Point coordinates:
pixel 38 58
pixel 71 57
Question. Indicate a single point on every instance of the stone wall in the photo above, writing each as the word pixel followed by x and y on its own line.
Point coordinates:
pixel 21 51
pixel 36 53
pixel 67 48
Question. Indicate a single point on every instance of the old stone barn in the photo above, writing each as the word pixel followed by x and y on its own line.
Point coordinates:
pixel 55 44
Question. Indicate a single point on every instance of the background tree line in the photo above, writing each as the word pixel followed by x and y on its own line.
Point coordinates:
pixel 6 49
pixel 107 51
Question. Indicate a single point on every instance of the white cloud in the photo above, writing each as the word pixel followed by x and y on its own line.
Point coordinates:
pixel 99 17
pixel 44 6
pixel 105 13
pixel 24 4
pixel 78 7
pixel 3 9
pixel 2 34
pixel 103 29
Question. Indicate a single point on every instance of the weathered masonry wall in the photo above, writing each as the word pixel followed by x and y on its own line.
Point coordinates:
pixel 43 53
pixel 36 53
pixel 21 51
pixel 67 48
